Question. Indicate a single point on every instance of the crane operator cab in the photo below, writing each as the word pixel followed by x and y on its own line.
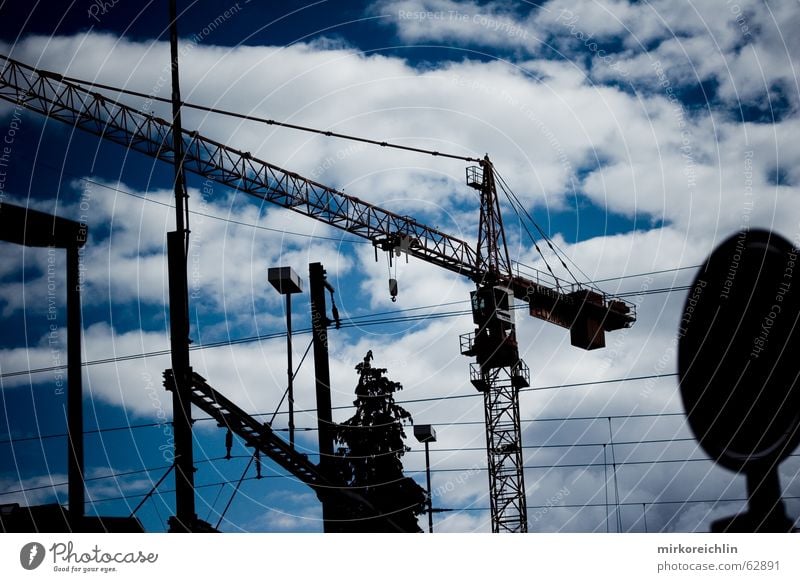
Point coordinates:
pixel 495 341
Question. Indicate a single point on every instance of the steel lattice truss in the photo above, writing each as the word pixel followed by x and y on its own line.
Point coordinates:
pixel 49 94
pixel 504 453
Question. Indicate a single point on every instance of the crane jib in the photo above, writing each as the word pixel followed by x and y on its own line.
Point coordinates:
pixel 49 94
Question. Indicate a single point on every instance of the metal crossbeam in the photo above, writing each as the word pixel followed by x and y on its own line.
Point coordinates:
pixel 254 434
pixel 261 437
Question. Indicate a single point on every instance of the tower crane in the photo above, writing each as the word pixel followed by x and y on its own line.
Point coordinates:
pixel 498 372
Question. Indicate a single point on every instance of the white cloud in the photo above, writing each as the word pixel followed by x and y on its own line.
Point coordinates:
pixel 33 490
pixel 551 130
pixel 492 24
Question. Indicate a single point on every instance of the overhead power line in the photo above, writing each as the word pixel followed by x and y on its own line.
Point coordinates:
pixel 564 506
pixel 312 429
pixel 357 321
pixel 61 171
pixel 409 471
pixel 630 503
pixel 103 477
pixel 647 274
pixel 224 219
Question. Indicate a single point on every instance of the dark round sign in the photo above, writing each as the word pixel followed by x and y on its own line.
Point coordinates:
pixel 739 352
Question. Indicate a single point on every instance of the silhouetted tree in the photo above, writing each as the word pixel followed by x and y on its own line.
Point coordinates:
pixel 371 445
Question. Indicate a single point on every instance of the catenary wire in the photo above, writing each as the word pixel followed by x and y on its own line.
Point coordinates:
pixel 440 424
pixel 346 324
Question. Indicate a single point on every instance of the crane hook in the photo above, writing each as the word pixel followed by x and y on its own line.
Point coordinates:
pixel 393 289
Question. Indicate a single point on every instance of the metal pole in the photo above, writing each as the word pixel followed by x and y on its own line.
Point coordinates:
pixel 75 488
pixel 181 196
pixel 290 369
pixel 319 325
pixel 765 503
pixel 181 404
pixel 428 475
pixel 177 244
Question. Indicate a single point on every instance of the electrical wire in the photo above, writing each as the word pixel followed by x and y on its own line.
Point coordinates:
pixel 213 503
pixel 628 503
pixel 647 274
pixel 346 324
pixel 358 321
pixel 230 220
pixel 438 424
pixel 102 477
pixel 235 491
pixel 550 387
pixel 549 467
pixel 420 471
pixel 294 375
pixel 201 486
pixel 152 490
pixel 409 401
pixel 646 292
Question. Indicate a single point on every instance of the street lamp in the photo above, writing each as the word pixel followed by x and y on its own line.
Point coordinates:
pixel 424 433
pixel 287 282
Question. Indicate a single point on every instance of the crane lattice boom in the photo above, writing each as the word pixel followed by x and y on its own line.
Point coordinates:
pixel 551 299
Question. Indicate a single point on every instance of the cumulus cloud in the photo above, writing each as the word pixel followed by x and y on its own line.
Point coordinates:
pixel 614 133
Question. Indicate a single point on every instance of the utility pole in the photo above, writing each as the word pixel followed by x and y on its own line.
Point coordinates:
pixel 319 326
pixel 75 488
pixel 177 243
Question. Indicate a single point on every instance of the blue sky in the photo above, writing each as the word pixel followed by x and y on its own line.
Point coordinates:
pixel 636 133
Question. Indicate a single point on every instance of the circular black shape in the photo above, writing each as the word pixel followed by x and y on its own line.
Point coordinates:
pixel 738 357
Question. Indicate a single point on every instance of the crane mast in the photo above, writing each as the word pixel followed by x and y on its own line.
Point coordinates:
pixel 498 371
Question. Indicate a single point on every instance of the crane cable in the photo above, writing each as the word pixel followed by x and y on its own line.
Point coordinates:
pixel 86 86
pixel 550 242
pixel 503 187
pixel 533 239
pixel 517 205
